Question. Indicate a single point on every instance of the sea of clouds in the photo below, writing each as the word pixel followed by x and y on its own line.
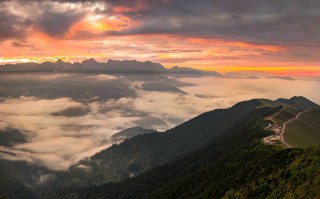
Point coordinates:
pixel 61 131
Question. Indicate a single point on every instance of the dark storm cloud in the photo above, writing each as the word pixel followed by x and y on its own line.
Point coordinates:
pixel 12 26
pixel 260 21
pixel 19 17
pixel 278 22
pixel 57 24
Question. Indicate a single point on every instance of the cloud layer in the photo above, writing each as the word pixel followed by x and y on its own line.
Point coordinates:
pixel 61 131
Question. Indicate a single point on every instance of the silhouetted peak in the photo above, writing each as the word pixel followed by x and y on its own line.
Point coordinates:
pixel 299 98
pixel 59 61
pixel 89 61
pixel 130 61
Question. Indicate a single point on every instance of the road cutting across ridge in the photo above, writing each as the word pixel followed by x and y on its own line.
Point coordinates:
pixel 280 130
pixel 282 139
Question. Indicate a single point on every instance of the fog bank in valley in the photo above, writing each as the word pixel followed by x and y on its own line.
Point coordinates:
pixel 62 128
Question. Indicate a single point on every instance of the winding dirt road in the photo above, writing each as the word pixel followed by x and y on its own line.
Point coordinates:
pixel 271 117
pixel 280 130
pixel 284 128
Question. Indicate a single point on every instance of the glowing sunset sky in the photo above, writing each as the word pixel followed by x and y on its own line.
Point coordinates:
pixel 278 36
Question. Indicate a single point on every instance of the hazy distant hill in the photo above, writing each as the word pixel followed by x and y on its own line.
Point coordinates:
pixel 131 132
pixel 58 85
pixel 191 72
pixel 111 67
pixel 281 77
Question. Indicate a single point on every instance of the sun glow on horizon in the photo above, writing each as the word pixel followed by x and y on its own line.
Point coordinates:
pixel 140 31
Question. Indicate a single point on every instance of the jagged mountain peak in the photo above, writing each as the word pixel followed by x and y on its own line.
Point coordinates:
pixel 112 66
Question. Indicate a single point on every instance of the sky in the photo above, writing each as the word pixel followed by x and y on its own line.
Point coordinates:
pixel 281 37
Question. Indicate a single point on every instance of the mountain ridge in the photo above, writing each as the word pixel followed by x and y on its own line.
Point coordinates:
pixel 109 67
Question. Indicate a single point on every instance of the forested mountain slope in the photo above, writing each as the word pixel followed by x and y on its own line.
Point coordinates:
pixel 10 188
pixel 141 153
pixel 234 165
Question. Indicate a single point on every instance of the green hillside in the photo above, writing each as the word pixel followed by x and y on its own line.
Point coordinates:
pixel 305 131
pixel 293 173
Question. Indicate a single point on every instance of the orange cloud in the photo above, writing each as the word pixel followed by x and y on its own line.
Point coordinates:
pixel 215 42
pixel 218 55
pixel 277 70
pixel 97 24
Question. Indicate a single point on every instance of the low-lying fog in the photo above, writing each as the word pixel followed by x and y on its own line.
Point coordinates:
pixel 66 117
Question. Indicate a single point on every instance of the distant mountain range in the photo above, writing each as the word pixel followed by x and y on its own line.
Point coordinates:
pixel 125 67
pixel 218 154
pixel 111 67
